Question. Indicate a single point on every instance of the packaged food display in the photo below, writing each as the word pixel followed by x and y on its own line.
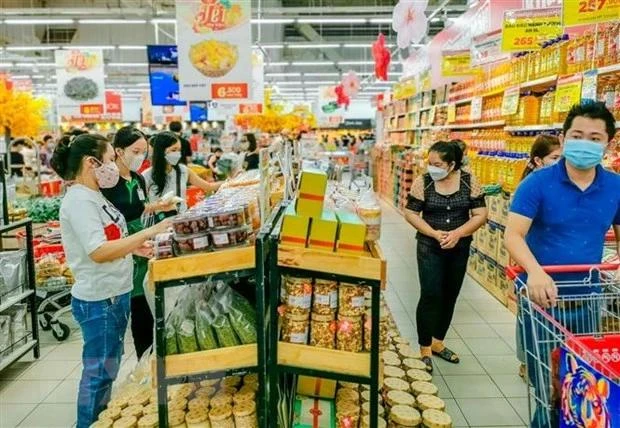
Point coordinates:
pixel 149 421
pixel 349 335
pixel 419 387
pixel 366 410
pixel 413 363
pixel 132 411
pixel 325 297
pixel 188 244
pixel 197 419
pixel 417 374
pixel 392 361
pixel 425 402
pixel 396 397
pixel 383 330
pixel 230 237
pixel 295 328
pixel 224 331
pixel 393 371
pixel 221 417
pixel 323 331
pixel 245 415
pixel 347 414
pixel 366 422
pixel 190 223
pixel 113 413
pixel 298 294
pixel 221 399
pixel 126 422
pixel 198 403
pixel 350 299
pixel 102 423
pixel 404 416
pixel 394 384
pixel 369 210
pixel 436 418
pixel 347 394
pixel 177 404
pixel 365 396
pixel 163 245
pixel 226 218
pixel 406 351
pixel 176 419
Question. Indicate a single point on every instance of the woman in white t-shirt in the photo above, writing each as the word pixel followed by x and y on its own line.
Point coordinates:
pixel 166 175
pixel 99 253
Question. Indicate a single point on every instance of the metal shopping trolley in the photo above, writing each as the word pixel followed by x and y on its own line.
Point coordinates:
pixel 573 350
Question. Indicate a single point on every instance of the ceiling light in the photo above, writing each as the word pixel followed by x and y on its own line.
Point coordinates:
pixel 358 45
pixel 273 21
pixel 282 74
pixel 380 20
pixel 132 47
pixel 436 19
pixel 313 46
pixel 163 21
pixel 334 74
pixel 271 46
pixel 332 20
pixel 35 64
pixel 356 62
pixel 291 82
pixel 319 82
pixel 22 77
pixel 38 76
pixel 31 48
pixel 101 47
pixel 35 21
pixel 278 64
pixel 112 21
pixel 311 63
pixel 128 64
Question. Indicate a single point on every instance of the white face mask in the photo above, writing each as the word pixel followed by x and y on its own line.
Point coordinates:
pixel 132 161
pixel 173 158
pixel 437 173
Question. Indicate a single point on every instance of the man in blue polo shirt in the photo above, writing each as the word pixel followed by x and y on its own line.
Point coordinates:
pixel 559 216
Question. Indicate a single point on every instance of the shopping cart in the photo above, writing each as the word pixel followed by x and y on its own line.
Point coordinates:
pixel 573 350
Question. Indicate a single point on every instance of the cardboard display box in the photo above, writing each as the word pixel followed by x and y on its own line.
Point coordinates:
pixel 294 228
pixel 351 233
pixel 324 231
pixel 312 187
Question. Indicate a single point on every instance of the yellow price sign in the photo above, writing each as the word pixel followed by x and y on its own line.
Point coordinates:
pixel 457 63
pixel 527 29
pixel 584 12
pixel 451 113
pixel 568 92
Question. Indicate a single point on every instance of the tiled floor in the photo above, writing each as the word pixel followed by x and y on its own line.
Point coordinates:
pixel 483 390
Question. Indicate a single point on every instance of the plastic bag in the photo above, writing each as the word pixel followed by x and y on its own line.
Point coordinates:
pixel 12 272
pixel 19 327
pixel 204 331
pixel 243 319
pixel 5 334
pixel 224 331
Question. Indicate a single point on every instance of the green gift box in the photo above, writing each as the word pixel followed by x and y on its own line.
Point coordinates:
pixel 314 413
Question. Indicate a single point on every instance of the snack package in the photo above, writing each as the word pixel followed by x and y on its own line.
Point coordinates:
pixel 5 335
pixel 19 328
pixel 369 210
pixel 12 272
pixel 204 331
pixel 243 319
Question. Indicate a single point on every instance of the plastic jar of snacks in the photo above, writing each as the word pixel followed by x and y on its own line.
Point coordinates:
pixel 197 419
pixel 350 299
pixel 404 416
pixel 113 413
pixel 351 385
pixel 347 394
pixel 244 394
pixel 323 331
pixel 392 371
pixel 413 364
pixel 349 334
pixel 176 419
pixel 415 374
pixel 436 419
pixel 245 415
pixel 347 414
pixel 325 297
pixel 149 421
pixel 365 423
pixel 366 410
pixel 298 295
pixel 221 399
pixel 365 396
pixel 206 392
pixel 406 351
pixel 102 423
pixel 221 417
pixel 383 330
pixel 419 387
pixel 177 404
pixel 396 398
pixel 295 328
pixel 126 422
pixel 371 216
pixel 426 402
pixel 198 403
pixel 394 384
pixel 132 411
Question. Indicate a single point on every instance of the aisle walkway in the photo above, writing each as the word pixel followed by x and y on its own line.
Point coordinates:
pixel 483 390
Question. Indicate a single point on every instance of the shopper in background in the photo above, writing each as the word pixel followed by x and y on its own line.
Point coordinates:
pixel 45 151
pixel 446 206
pixel 16 158
pixel 129 197
pixel 560 216
pixel 250 161
pixel 98 251
pixel 167 175
pixel 546 151
pixel 195 139
pixel 186 149
pixel 212 161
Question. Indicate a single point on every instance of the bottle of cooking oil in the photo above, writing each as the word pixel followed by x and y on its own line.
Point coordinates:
pixel 613 33
pixel 546 107
pixel 601 47
pixel 580 54
pixel 560 55
pixel 609 95
pixel 533 65
pixel 571 54
pixel 590 49
pixel 531 111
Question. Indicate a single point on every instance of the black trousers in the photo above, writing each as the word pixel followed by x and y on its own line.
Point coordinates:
pixel 141 325
pixel 441 274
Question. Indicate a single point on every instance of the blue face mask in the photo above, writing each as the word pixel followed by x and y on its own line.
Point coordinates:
pixel 583 154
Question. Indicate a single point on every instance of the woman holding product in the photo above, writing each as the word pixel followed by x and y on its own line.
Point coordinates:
pixel 446 206
pixel 129 197
pixel 167 177
pixel 98 251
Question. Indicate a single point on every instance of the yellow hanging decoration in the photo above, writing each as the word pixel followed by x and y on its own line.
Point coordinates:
pixel 20 113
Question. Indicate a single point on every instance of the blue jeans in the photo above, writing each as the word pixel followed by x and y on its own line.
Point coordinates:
pixel 103 324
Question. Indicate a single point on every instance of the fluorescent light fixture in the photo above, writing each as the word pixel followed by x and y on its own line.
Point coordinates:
pixel 128 64
pixel 21 77
pixel 311 63
pixel 112 21
pixel 102 47
pixel 357 45
pixel 272 46
pixel 313 46
pixel 278 64
pixel 332 20
pixel 290 82
pixel 282 74
pixel 356 63
pixel 35 64
pixel 380 20
pixel 319 82
pixel 132 47
pixel 31 48
pixel 38 76
pixel 136 90
pixel 163 21
pixel 273 21
pixel 36 21
pixel 334 74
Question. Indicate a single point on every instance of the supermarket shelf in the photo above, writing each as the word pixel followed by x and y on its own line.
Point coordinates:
pixel 324 360
pixel 539 82
pixel 13 300
pixel 463 101
pixel 533 127
pixel 201 264
pixel 479 125
pixel 609 69
pixel 17 354
pixel 217 360
pixel 494 92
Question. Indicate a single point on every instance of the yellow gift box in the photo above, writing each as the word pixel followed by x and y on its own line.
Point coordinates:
pixel 316 387
pixel 294 228
pixel 324 231
pixel 351 233
pixel 312 186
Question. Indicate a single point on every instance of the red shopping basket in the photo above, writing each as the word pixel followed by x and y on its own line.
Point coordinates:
pixel 51 188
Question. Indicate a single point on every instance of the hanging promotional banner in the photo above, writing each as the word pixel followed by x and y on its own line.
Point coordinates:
pixel 456 63
pixel 215 49
pixel 404 90
pixel 328 113
pixel 567 93
pixel 587 12
pixel 80 82
pixel 526 30
pixel 113 105
pixel 487 48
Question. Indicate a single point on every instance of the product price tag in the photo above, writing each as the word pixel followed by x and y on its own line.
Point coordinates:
pixel 510 103
pixel 456 63
pixel 431 116
pixel 527 29
pixel 588 86
pixel 568 92
pixel 451 113
pixel 585 12
pixel 476 109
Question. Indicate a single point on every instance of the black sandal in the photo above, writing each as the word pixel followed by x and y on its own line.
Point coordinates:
pixel 429 364
pixel 448 356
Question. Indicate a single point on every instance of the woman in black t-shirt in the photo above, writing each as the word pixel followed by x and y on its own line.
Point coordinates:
pixel 129 196
pixel 251 158
pixel 446 206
